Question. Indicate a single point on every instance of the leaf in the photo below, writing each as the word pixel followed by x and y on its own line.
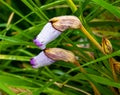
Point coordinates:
pixel 53 92
pixel 14 57
pixel 114 10
pixel 102 58
pixel 6 89
pixel 104 23
pixel 98 79
pixel 16 81
pixel 14 40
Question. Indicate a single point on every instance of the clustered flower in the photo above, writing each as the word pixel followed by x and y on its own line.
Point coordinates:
pixel 49 33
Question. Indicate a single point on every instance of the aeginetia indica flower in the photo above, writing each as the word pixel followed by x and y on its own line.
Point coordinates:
pixel 106 46
pixel 50 55
pixel 54 28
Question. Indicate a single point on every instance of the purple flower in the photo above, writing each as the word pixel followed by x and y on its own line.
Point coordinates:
pixel 48 34
pixel 41 60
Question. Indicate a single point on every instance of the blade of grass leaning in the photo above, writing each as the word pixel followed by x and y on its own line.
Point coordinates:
pixel 50 5
pixel 99 79
pixel 13 40
pixel 103 58
pixel 97 60
pixel 103 23
pixel 35 9
pixel 14 57
pixel 113 9
pixel 18 13
pixel 5 88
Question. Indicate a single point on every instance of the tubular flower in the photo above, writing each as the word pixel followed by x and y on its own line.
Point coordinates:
pixel 62 23
pixel 47 35
pixel 54 28
pixel 50 55
pixel 41 60
pixel 106 46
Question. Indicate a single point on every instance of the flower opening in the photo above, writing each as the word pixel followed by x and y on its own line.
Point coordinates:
pixel 41 60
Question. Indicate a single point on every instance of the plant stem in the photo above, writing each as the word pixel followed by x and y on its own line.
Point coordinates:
pixel 111 60
pixel 82 28
pixel 96 91
pixel 72 87
pixel 74 9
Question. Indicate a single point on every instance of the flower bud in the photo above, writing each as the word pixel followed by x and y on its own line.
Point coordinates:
pixel 106 46
pixel 60 54
pixel 62 23
pixel 47 35
pixel 41 60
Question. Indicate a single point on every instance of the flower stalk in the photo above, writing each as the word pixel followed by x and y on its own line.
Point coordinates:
pixel 96 91
pixel 82 28
pixel 112 62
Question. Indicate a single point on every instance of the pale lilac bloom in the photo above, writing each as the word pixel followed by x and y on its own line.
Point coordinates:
pixel 48 34
pixel 41 60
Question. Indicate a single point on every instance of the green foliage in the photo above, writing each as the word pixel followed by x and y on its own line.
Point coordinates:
pixel 22 20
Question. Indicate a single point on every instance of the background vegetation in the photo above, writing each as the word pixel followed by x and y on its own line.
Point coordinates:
pixel 22 20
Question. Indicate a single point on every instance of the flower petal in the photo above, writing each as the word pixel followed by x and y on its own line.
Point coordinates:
pixel 48 34
pixel 41 60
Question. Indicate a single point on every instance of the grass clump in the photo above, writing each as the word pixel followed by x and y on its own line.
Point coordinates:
pixel 96 73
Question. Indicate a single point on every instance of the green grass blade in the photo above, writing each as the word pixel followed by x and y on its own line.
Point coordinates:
pixel 99 79
pixel 113 9
pixel 13 57
pixel 18 13
pixel 5 88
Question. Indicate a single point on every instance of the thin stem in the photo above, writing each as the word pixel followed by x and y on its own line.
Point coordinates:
pixel 82 28
pixel 72 87
pixel 111 60
pixel 74 9
pixel 115 90
pixel 96 91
